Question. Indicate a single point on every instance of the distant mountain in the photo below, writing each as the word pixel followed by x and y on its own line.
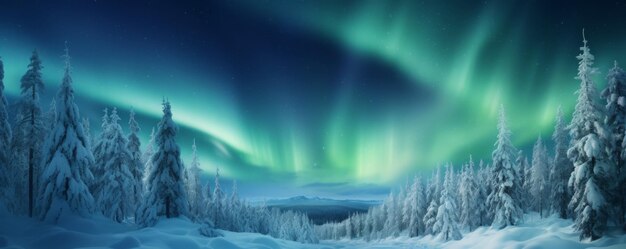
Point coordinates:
pixel 322 210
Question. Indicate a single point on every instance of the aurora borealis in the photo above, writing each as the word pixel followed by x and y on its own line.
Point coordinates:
pixel 316 94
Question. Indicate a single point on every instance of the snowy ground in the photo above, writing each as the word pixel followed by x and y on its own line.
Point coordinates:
pixel 19 232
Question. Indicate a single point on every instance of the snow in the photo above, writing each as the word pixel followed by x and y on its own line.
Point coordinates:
pixel 100 232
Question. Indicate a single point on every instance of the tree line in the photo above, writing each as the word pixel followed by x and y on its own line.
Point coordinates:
pixel 51 167
pixel 584 179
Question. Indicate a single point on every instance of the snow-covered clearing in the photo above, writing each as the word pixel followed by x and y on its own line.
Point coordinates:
pixel 99 232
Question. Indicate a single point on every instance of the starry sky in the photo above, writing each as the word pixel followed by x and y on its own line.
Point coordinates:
pixel 329 98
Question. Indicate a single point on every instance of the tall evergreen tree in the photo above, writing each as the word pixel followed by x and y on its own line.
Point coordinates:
pixel 6 171
pixel 561 167
pixel 218 202
pixel 100 150
pixel 417 206
pixel 66 160
pixel 592 165
pixel 135 164
pixel 166 196
pixel 115 198
pixel 539 177
pixel 615 96
pixel 147 157
pixel 447 222
pixel 196 196
pixel 468 191
pixel 504 208
pixel 29 130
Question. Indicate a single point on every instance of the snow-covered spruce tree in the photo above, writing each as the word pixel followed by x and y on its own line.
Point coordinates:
pixel 166 196
pixel 593 168
pixel 6 171
pixel 66 160
pixel 391 227
pixel 520 169
pixel 430 217
pixel 561 168
pixel 100 149
pixel 217 212
pixel 539 177
pixel 29 134
pixel 615 96
pixel 481 195
pixel 417 208
pixel 146 158
pixel 194 186
pixel 135 164
pixel 504 208
pixel 115 198
pixel 234 209
pixel 468 192
pixel 446 225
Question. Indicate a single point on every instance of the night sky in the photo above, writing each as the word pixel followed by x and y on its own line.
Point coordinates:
pixel 329 98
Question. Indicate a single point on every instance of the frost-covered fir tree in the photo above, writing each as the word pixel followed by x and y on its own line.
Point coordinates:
pixel 391 227
pixel 446 225
pixel 146 158
pixel 218 202
pixel 416 201
pixel 29 133
pixel 166 196
pixel 593 168
pixel 115 198
pixel 504 208
pixel 615 96
pixel 561 168
pixel 6 171
pixel 481 194
pixel 520 170
pixel 100 149
pixel 135 164
pixel 196 196
pixel 539 177
pixel 66 160
pixel 430 217
pixel 468 191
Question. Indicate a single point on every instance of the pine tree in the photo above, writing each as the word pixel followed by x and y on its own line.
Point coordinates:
pixel 615 96
pixel 115 198
pixel 6 172
pixel 66 160
pixel 218 202
pixel 166 194
pixel 29 130
pixel 505 209
pixel 446 225
pixel 539 177
pixel 135 164
pixel 146 158
pixel 592 165
pixel 416 202
pixel 468 191
pixel 100 150
pixel 196 197
pixel 561 167
pixel 481 195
